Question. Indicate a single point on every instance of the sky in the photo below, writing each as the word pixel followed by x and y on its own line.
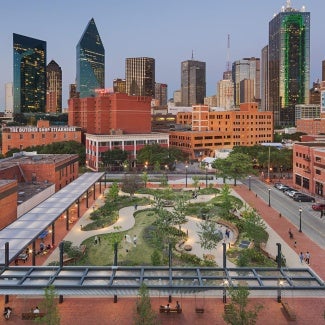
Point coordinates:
pixel 167 31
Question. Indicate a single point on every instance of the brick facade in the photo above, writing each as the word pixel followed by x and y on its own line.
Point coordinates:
pixel 8 202
pixel 25 136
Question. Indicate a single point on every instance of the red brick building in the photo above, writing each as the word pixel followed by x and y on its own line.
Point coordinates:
pixel 8 202
pixel 22 137
pixel 111 113
pixel 309 167
pixel 213 130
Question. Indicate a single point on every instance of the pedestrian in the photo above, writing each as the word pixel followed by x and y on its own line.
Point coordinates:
pixel 96 240
pixel 135 240
pixel 135 207
pixel 307 257
pixel 295 244
pixel 99 240
pixel 301 257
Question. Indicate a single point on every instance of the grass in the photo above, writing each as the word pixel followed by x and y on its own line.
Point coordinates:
pixel 103 254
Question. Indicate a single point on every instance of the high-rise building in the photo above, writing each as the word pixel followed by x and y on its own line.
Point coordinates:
pixel 247 68
pixel 140 76
pixel 265 78
pixel 193 82
pixel 289 62
pixel 54 88
pixel 90 62
pixel 161 93
pixel 73 91
pixel 9 99
pixel 119 86
pixel 225 94
pixel 323 70
pixel 29 74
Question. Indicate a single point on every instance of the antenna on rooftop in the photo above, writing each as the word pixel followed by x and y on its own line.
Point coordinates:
pixel 228 53
pixel 288 4
pixel 192 54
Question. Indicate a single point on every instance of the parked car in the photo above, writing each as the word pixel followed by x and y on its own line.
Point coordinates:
pixel 288 188
pixel 300 197
pixel 292 193
pixel 278 185
pixel 318 207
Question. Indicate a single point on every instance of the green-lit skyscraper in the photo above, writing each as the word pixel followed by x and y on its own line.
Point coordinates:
pixel 289 62
pixel 90 62
pixel 29 74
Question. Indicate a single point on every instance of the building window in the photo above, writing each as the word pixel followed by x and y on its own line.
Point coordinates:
pixel 21 136
pixel 54 135
pixel 318 172
pixel 305 183
pixel 43 135
pixel 298 180
pixel 318 159
pixel 32 135
pixel 9 136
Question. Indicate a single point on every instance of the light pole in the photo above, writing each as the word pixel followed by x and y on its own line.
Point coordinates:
pixel 249 182
pixel 166 172
pixel 186 166
pixel 269 197
pixel 206 176
pixel 300 210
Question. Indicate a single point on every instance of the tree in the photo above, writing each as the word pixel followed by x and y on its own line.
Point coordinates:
pixel 208 234
pixel 49 307
pixel 131 183
pixel 114 157
pixel 196 181
pixel 145 178
pixel 220 165
pixel 113 192
pixel 179 211
pixel 226 202
pixel 237 312
pixel 254 227
pixel 144 313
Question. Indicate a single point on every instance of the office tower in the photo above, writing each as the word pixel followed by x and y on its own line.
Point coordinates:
pixel 29 74
pixel 161 93
pixel 246 87
pixel 140 76
pixel 119 86
pixel 247 68
pixel 177 97
pixel 9 99
pixel 73 91
pixel 90 62
pixel 265 78
pixel 323 70
pixel 289 62
pixel 193 82
pixel 54 88
pixel 225 94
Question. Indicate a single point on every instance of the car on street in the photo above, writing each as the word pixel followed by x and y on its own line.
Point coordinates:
pixel 301 197
pixel 291 193
pixel 318 206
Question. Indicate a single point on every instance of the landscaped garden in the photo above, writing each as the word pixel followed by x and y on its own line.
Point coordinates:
pixel 158 228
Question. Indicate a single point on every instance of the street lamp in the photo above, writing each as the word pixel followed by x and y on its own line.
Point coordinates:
pixel 249 182
pixel 300 210
pixel 206 176
pixel 269 197
pixel 186 175
pixel 166 172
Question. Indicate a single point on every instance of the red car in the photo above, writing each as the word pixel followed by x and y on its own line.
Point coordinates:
pixel 318 206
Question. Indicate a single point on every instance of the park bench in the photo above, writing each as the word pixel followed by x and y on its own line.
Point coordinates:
pixel 31 316
pixel 289 311
pixel 163 309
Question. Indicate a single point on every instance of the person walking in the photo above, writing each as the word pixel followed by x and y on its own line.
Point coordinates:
pixel 307 257
pixel 301 257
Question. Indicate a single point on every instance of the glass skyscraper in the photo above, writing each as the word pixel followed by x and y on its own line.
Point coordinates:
pixel 54 88
pixel 193 82
pixel 90 62
pixel 289 63
pixel 140 76
pixel 29 86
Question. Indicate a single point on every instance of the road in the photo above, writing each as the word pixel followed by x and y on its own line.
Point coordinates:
pixel 311 223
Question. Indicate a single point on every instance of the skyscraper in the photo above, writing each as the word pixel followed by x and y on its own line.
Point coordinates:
pixel 140 76
pixel 247 68
pixel 54 88
pixel 289 62
pixel 193 82
pixel 265 79
pixel 90 62
pixel 29 74
pixel 9 99
pixel 161 93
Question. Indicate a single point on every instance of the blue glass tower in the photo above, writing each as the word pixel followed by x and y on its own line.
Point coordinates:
pixel 90 62
pixel 29 74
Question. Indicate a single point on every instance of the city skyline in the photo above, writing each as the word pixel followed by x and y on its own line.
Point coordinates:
pixel 164 31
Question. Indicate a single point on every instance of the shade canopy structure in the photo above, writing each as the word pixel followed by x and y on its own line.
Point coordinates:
pixel 34 223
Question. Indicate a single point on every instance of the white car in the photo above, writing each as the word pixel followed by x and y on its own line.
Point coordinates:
pixel 291 193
